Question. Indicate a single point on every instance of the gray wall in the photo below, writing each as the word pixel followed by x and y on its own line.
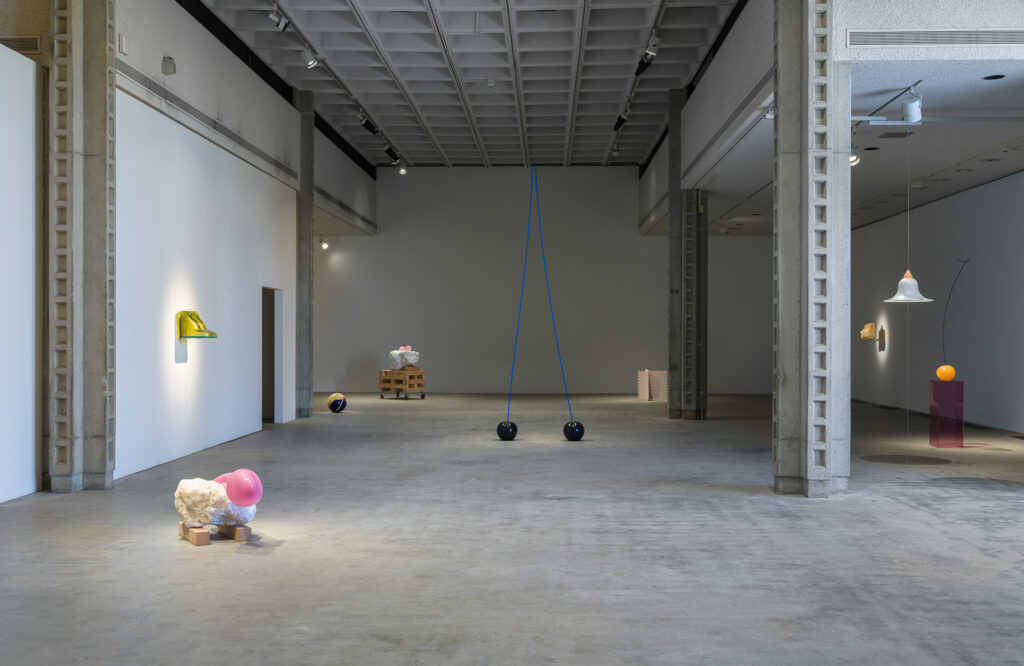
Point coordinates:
pixel 740 314
pixel 984 333
pixel 444 272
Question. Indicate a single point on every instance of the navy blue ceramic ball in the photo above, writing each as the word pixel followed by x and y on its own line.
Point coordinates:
pixel 336 402
pixel 507 431
pixel 573 431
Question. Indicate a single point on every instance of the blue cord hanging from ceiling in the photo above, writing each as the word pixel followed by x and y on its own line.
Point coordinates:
pixel 573 430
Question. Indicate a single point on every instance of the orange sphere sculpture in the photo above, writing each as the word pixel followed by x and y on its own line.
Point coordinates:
pixel 946 373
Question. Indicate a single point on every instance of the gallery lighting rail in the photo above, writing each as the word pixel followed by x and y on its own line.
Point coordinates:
pixel 334 75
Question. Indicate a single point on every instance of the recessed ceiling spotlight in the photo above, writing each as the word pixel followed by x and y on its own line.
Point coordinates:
pixel 871 148
pixel 402 170
pixel 308 58
pixel 963 170
pixel 323 244
pixel 994 77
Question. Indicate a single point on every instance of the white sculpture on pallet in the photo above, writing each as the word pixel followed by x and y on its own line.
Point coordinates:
pixel 403 357
pixel 228 502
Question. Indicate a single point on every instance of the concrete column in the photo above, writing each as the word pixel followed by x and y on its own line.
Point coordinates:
pixel 304 258
pixel 811 388
pixel 675 256
pixel 695 308
pixel 81 245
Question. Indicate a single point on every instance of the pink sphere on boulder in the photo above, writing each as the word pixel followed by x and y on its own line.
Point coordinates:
pixel 244 487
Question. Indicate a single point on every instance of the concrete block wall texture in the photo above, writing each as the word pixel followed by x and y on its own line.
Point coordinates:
pixel 21 223
pixel 198 229
pixel 444 273
pixel 983 336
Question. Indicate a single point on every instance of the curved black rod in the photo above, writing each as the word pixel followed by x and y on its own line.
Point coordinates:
pixel 945 311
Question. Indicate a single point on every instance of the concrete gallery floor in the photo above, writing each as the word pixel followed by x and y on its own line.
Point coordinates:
pixel 406 533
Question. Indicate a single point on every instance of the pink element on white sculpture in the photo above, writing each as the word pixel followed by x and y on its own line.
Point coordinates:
pixel 222 479
pixel 405 348
pixel 244 487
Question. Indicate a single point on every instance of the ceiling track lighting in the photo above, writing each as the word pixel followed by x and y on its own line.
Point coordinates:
pixel 367 124
pixel 309 58
pixel 854 153
pixel 279 20
pixel 911 106
pixel 323 244
pixel 402 170
pixel 650 52
pixel 393 154
pixel 621 120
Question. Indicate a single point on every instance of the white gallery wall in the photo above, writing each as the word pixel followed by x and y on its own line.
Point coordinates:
pixel 740 314
pixel 984 338
pixel 444 271
pixel 197 229
pixel 20 262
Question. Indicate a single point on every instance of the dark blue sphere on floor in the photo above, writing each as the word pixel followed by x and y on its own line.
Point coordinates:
pixel 573 431
pixel 336 402
pixel 507 431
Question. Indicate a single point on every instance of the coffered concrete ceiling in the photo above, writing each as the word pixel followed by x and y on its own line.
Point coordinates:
pixel 973 134
pixel 486 82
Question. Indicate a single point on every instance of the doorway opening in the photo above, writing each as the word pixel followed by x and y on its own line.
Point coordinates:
pixel 272 356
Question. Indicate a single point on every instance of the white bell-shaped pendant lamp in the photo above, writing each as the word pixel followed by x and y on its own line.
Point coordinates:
pixel 908 292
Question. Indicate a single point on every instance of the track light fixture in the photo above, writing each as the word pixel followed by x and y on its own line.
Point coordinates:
pixel 402 170
pixel 911 106
pixel 323 244
pixel 278 19
pixel 308 58
pixel 621 120
pixel 368 124
pixel 649 54
pixel 393 154
pixel 854 153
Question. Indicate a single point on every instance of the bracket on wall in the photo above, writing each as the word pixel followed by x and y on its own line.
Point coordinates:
pixel 868 333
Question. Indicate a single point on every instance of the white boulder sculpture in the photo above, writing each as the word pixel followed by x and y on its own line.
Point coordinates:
pixel 200 502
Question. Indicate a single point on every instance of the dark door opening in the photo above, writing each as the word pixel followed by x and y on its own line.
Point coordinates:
pixel 269 345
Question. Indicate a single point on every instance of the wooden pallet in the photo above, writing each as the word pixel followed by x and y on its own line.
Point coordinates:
pixel 408 380
pixel 199 536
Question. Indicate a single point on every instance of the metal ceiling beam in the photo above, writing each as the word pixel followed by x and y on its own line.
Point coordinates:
pixel 457 77
pixel 372 36
pixel 517 78
pixel 575 95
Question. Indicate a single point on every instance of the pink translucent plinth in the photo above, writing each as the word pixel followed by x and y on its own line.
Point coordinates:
pixel 946 406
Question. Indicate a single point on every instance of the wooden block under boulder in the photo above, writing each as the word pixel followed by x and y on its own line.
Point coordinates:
pixel 197 536
pixel 236 532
